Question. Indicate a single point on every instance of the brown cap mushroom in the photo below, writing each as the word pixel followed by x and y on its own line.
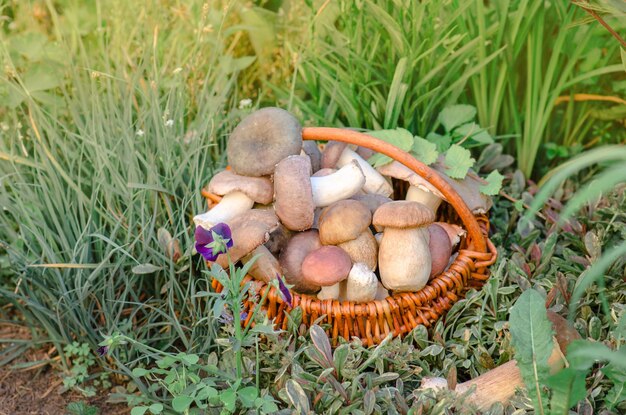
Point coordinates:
pixel 326 266
pixel 249 231
pixel 403 257
pixel 291 258
pixel 292 193
pixel 372 200
pixel 363 248
pixel 440 249
pixel 265 267
pixel 343 221
pixel 331 154
pixel 455 232
pixel 311 149
pixel 420 190
pixel 468 189
pixel 262 139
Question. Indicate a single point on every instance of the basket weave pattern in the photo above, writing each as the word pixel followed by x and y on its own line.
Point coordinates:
pixel 402 312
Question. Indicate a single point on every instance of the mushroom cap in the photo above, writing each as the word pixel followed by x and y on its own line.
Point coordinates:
pixel 262 139
pixel 292 193
pixel 343 221
pixel 249 230
pixel 403 214
pixel 363 249
pixel 332 153
pixel 440 249
pixel 311 149
pixel 372 200
pixel 468 189
pixel 365 152
pixel 399 171
pixel 291 258
pixel 259 189
pixel 326 266
pixel 455 232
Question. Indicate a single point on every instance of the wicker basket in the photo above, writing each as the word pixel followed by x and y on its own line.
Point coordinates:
pixel 400 313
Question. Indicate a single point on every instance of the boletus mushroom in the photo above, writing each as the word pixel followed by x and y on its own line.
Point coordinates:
pixel 292 256
pixel 362 284
pixel 404 259
pixel 326 266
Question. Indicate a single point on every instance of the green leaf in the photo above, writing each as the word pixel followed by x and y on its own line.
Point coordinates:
pixel 229 399
pixel 139 410
pixel 458 161
pixel 441 141
pixel 181 403
pixel 139 371
pixel 531 336
pixel 568 388
pixel 617 393
pixel 248 395
pixel 456 115
pixel 189 359
pixel 41 78
pixel 145 269
pixel 494 184
pixel 424 150
pixel 297 397
pixel 156 408
pixel 623 54
pixel 475 132
pixel 398 137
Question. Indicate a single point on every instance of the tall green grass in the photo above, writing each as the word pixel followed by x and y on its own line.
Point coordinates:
pixel 98 171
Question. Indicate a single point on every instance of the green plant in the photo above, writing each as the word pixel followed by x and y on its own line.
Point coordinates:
pixel 81 360
pixel 81 408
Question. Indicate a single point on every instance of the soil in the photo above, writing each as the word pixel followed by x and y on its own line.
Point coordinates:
pixel 39 390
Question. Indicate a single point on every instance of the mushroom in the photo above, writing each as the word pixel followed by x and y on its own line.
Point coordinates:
pixel 249 231
pixel 372 200
pixel 362 284
pixel 296 193
pixel 403 257
pixel 262 139
pixel 420 190
pixel 455 232
pixel 240 193
pixel 500 384
pixel 469 190
pixel 265 267
pixel 381 292
pixel 291 258
pixel 346 224
pixel 311 149
pixel 440 249
pixel 278 239
pixel 326 266
pixel 338 154
pixel 333 292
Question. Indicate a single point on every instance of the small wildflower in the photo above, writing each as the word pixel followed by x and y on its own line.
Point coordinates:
pixel 140 132
pixel 213 242
pixel 225 317
pixel 243 316
pixel 284 291
pixel 245 103
pixel 177 70
pixel 102 351
pixel 169 122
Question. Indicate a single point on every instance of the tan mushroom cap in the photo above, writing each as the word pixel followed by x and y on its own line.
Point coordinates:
pixel 403 214
pixel 326 266
pixel 249 231
pixel 372 200
pixel 293 197
pixel 440 249
pixel 259 189
pixel 400 171
pixel 291 258
pixel 343 221
pixel 332 153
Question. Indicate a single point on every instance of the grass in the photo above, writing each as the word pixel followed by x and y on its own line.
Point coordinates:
pixel 115 115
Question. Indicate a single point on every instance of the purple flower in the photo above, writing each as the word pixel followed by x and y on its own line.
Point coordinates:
pixel 213 242
pixel 284 291
pixel 102 351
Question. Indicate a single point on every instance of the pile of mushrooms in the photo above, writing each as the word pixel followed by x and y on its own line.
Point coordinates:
pixel 325 221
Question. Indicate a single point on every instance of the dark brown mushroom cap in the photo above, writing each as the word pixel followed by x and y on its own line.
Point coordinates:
pixel 326 266
pixel 343 221
pixel 332 153
pixel 262 139
pixel 259 189
pixel 311 149
pixel 372 200
pixel 440 249
pixel 249 231
pixel 291 258
pixel 292 193
pixel 403 214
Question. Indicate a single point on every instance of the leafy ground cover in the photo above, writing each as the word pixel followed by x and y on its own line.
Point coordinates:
pixel 115 114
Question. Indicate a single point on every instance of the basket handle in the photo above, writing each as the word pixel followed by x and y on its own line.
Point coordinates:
pixel 476 238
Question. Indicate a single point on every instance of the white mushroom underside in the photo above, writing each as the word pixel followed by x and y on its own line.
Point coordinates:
pixel 404 259
pixel 333 292
pixel 231 206
pixel 374 181
pixel 342 184
pixel 416 194
pixel 362 284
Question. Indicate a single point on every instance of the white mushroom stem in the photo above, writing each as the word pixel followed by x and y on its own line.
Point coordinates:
pixel 333 292
pixel 362 284
pixel 404 259
pixel 231 206
pixel 417 194
pixel 342 184
pixel 374 181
